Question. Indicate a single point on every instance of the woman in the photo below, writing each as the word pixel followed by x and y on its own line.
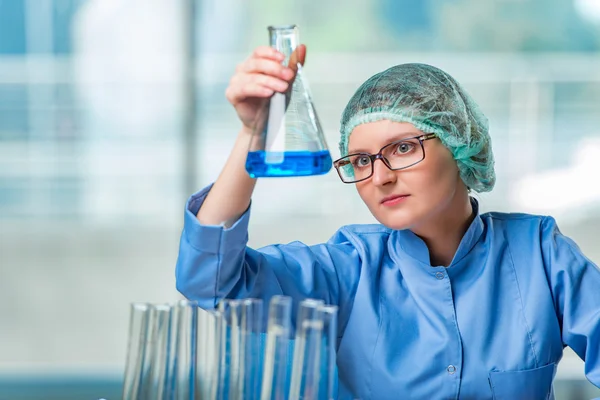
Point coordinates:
pixel 437 301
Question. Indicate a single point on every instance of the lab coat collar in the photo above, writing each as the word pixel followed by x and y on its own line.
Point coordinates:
pixel 414 247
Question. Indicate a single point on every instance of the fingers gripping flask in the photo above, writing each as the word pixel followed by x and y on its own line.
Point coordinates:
pixel 288 138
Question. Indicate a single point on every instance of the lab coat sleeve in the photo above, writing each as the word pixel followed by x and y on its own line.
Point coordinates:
pixel 214 262
pixel 575 283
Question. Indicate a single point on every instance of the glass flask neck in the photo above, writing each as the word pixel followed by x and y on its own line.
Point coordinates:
pixel 285 39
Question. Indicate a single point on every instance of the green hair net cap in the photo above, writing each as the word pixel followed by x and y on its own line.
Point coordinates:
pixel 432 101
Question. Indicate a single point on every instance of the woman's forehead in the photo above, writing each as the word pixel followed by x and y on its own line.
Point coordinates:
pixel 371 136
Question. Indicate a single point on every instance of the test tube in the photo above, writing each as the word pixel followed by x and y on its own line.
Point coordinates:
pixel 233 324
pixel 154 347
pixel 157 387
pixel 214 355
pixel 134 365
pixel 205 352
pixel 274 379
pixel 184 352
pixel 224 351
pixel 307 351
pixel 250 357
pixel 329 317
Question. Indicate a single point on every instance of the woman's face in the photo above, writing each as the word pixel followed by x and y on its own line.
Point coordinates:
pixel 425 189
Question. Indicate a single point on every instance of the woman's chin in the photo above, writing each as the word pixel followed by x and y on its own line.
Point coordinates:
pixel 394 220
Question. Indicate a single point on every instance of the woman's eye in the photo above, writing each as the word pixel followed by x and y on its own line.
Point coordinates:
pixel 362 161
pixel 404 148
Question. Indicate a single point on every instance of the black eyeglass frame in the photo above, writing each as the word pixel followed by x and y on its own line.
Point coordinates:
pixel 379 155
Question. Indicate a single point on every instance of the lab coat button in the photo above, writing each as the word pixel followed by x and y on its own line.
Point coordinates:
pixel 439 275
pixel 451 369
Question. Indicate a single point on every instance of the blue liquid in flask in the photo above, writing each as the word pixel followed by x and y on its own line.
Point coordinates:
pixel 293 163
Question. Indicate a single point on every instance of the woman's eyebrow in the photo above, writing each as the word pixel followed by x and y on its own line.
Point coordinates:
pixel 394 138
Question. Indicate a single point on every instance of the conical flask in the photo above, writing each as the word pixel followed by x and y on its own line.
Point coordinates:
pixel 288 138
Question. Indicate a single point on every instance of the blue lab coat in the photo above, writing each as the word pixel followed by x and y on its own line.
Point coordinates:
pixel 493 324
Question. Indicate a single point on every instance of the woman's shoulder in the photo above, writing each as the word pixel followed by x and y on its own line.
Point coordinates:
pixel 512 216
pixel 526 230
pixel 516 221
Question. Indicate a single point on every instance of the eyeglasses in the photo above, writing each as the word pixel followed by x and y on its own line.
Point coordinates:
pixel 396 155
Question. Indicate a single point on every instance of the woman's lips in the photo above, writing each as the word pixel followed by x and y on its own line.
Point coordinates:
pixel 393 200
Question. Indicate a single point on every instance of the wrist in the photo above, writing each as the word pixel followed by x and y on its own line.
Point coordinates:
pixel 246 131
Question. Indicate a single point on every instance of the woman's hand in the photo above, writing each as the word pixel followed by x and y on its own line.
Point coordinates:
pixel 257 78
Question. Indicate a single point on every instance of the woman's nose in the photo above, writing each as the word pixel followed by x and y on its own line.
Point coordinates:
pixel 382 174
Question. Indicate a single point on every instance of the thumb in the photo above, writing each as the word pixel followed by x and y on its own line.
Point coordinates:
pixel 301 54
pixel 298 56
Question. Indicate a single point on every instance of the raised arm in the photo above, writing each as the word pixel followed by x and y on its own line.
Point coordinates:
pixel 254 81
